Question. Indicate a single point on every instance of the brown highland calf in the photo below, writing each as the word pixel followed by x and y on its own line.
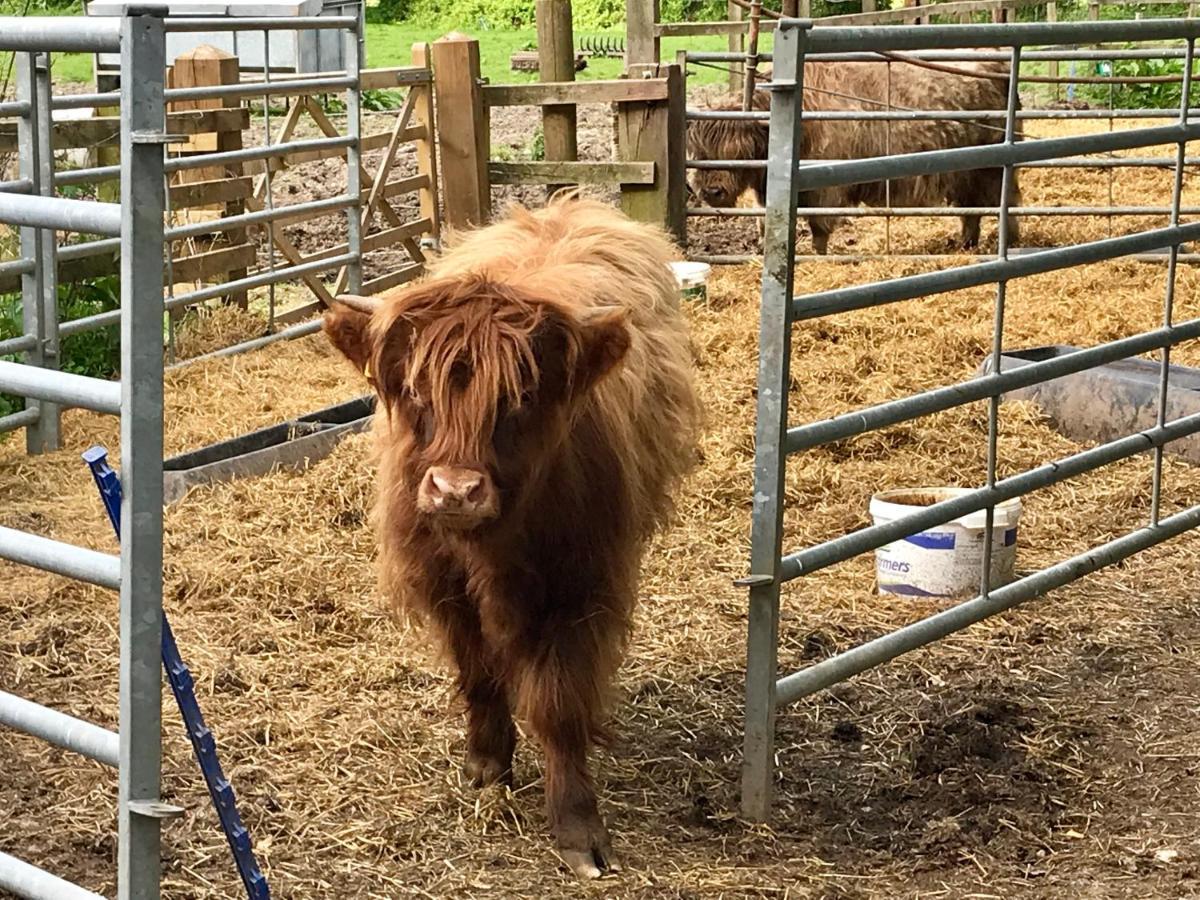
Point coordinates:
pixel 830 86
pixel 536 410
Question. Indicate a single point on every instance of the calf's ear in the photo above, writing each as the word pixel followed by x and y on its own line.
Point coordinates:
pixel 347 329
pixel 606 340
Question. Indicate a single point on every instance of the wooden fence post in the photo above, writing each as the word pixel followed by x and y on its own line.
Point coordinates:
pixel 423 117
pixel 462 128
pixel 655 131
pixel 206 66
pixel 556 62
pixel 642 44
pixel 737 44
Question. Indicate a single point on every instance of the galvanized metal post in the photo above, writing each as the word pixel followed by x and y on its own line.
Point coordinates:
pixel 354 160
pixel 779 250
pixel 142 201
pixel 47 431
pixel 32 311
pixel 1172 268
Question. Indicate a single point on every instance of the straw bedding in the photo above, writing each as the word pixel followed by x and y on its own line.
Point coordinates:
pixel 1047 753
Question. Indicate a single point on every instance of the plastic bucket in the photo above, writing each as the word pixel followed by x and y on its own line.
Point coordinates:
pixel 945 561
pixel 693 279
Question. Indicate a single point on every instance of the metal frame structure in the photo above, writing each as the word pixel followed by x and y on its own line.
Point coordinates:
pixel 137 228
pixel 776 439
pixel 358 203
pixel 1109 162
pixel 137 573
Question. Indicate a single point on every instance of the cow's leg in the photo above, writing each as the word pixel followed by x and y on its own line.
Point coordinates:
pixel 491 735
pixel 821 227
pixel 970 231
pixel 563 725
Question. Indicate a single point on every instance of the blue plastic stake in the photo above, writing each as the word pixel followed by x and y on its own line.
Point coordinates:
pixel 182 687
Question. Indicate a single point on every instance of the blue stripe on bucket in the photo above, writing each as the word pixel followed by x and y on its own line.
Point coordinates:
pixel 933 540
pixel 906 590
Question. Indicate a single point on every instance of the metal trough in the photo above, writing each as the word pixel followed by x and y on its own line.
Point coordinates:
pixel 1102 404
pixel 290 445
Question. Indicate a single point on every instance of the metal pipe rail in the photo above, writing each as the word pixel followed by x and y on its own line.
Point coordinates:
pixel 250 154
pixel 838 300
pixel 1045 55
pixel 60 729
pixel 87 216
pixel 79 563
pixel 699 114
pixel 815 174
pixel 175 24
pixel 261 88
pixel 61 387
pixel 22 419
pixel 42 34
pixel 1066 162
pixel 917 212
pixel 25 880
pixel 310 209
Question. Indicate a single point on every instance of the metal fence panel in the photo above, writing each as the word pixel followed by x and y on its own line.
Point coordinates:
pixel 781 308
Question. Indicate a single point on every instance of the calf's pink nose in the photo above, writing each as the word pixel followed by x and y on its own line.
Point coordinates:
pixel 457 491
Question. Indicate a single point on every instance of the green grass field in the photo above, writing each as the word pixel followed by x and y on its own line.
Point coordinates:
pixel 391 45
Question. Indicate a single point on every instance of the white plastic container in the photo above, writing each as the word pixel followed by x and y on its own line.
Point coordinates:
pixel 945 561
pixel 693 279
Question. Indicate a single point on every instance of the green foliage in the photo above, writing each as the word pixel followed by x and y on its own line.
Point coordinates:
pixel 1160 95
pixel 95 353
pixel 537 147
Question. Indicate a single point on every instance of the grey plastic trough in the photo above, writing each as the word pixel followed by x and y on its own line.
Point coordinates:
pixel 290 445
pixel 1110 401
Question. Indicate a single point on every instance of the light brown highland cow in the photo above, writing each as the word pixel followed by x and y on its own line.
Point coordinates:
pixel 864 86
pixel 536 409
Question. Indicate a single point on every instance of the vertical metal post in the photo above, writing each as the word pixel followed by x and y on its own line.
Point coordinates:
pixel 1172 266
pixel 46 432
pixel 1010 133
pixel 354 160
pixel 779 253
pixel 32 307
pixel 269 193
pixel 143 124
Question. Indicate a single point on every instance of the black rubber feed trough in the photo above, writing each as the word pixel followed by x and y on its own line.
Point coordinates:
pixel 1109 401
pixel 290 445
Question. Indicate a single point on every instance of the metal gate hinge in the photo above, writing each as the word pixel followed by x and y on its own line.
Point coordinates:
pixel 156 137
pixel 155 809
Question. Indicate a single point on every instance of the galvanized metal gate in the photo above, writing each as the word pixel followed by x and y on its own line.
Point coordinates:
pixel 138 223
pixel 776 439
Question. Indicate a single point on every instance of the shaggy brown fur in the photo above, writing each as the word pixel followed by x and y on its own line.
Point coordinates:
pixel 863 86
pixel 549 353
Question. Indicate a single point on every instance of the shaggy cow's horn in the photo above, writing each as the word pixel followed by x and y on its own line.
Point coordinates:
pixel 366 305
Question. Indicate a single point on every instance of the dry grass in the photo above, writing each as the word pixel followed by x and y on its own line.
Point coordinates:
pixel 1048 753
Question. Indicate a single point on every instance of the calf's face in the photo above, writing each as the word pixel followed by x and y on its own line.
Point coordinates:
pixel 481 383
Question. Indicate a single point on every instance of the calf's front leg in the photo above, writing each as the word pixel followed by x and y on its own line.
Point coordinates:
pixel 559 693
pixel 491 735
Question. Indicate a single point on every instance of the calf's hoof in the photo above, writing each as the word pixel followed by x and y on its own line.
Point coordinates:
pixel 586 848
pixel 483 770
